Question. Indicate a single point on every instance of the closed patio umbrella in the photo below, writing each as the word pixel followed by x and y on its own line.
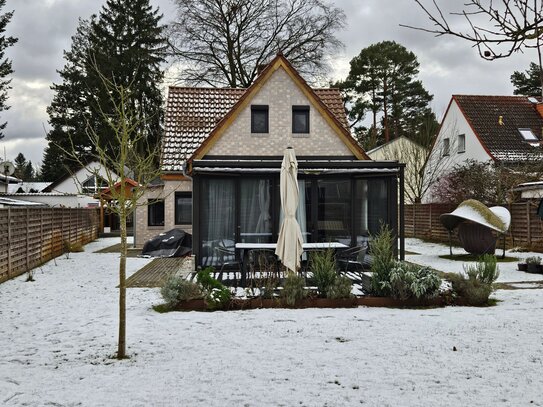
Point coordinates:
pixel 289 241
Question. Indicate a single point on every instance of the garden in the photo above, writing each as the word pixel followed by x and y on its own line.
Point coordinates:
pixel 388 282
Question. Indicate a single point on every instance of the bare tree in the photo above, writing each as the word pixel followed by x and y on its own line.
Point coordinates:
pixel 225 42
pixel 128 173
pixel 497 28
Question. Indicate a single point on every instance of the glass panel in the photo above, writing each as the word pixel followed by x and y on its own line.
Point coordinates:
pixel 255 215
pixel 300 121
pixel 361 211
pixel 334 223
pixel 377 204
pixel 155 213
pixel 259 119
pixel 217 218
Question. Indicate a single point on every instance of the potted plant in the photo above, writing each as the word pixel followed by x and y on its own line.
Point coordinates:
pixel 522 266
pixel 534 265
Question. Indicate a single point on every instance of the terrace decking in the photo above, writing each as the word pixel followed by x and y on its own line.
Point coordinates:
pixel 155 273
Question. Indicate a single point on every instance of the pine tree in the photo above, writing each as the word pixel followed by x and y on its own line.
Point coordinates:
pixel 125 44
pixel 5 64
pixel 23 168
pixel 382 79
pixel 527 83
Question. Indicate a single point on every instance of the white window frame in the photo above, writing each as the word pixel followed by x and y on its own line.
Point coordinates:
pixel 446 146
pixel 461 143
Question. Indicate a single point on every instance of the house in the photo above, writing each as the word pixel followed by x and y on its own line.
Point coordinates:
pixel 411 154
pixel 221 158
pixel 500 129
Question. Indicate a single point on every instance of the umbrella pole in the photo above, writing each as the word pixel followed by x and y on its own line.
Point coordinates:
pixel 503 254
pixel 450 241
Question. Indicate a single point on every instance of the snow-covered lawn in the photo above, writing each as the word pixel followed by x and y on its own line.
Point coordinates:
pixel 57 333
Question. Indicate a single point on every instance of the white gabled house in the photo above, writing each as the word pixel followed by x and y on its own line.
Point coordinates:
pixel 500 129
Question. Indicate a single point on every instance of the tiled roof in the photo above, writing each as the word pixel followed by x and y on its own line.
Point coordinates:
pixel 192 113
pixel 503 141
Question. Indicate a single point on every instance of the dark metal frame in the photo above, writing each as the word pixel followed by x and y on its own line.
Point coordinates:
pixel 150 204
pixel 260 109
pixel 183 194
pixel 305 110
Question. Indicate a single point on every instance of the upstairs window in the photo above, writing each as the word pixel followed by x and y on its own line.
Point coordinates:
pixel 259 119
pixel 183 208
pixel 300 119
pixel 155 212
pixel 461 143
pixel 446 144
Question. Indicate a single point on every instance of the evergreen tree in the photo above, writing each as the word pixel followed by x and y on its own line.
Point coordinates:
pixel 124 44
pixel 5 64
pixel 23 168
pixel 382 79
pixel 527 83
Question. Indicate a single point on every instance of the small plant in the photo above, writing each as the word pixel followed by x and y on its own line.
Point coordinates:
pixel 408 280
pixel 323 267
pixel 475 290
pixel 30 276
pixel 178 289
pixel 382 250
pixel 217 296
pixel 533 260
pixel 293 288
pixel 340 288
pixel 71 248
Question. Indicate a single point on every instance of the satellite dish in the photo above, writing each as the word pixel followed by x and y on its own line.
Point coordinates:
pixel 7 168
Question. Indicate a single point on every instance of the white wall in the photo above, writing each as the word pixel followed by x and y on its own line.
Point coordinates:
pixel 453 124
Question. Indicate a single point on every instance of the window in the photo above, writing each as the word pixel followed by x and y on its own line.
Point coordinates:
pixel 300 119
pixel 461 143
pixel 90 185
pixel 527 135
pixel 155 213
pixel 183 208
pixel 259 119
pixel 445 146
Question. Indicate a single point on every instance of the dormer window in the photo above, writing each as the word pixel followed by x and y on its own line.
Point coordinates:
pixel 259 119
pixel 300 119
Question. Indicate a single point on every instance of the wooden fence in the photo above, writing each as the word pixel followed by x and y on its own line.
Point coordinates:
pixel 422 221
pixel 32 236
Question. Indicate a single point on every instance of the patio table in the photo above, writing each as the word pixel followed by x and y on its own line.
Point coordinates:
pixel 245 247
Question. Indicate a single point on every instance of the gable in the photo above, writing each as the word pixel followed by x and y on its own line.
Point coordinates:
pixel 280 92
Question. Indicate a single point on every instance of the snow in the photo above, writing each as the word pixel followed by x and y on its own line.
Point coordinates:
pixel 58 333
pixel 428 255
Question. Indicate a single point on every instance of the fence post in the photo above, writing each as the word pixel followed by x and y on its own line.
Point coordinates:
pixel 529 228
pixel 27 239
pixel 9 242
pixel 431 231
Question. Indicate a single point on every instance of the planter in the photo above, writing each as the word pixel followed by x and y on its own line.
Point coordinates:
pixel 522 266
pixel 535 268
pixel 370 301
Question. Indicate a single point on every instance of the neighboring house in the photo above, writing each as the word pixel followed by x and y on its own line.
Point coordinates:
pixel 87 180
pixel 413 156
pixel 499 129
pixel 24 187
pixel 221 157
pixel 6 181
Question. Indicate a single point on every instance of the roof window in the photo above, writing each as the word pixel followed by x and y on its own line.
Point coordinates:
pixel 527 135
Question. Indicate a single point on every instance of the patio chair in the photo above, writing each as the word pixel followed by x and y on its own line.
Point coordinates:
pixel 351 259
pixel 227 260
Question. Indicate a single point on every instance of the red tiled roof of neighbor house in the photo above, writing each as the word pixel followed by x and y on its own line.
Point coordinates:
pixel 500 136
pixel 192 113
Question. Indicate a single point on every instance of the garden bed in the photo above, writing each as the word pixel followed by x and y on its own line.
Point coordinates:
pixel 368 301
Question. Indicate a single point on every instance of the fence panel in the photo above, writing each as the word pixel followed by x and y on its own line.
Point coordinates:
pixel 32 236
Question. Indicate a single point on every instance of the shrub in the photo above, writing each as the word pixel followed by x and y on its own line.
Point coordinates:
pixel 293 288
pixel 178 289
pixel 475 288
pixel 217 296
pixel 408 280
pixel 382 250
pixel 533 260
pixel 340 288
pixel 323 267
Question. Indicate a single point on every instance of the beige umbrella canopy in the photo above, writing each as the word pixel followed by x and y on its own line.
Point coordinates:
pixel 289 241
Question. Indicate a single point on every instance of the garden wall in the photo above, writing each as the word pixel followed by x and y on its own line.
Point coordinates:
pixel 32 236
pixel 422 221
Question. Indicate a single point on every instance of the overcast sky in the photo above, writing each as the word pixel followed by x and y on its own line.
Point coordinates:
pixel 44 28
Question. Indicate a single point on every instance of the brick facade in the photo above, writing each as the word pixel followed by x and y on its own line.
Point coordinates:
pixel 280 93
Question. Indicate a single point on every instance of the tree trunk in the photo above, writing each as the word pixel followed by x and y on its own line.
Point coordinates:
pixel 121 348
pixel 385 108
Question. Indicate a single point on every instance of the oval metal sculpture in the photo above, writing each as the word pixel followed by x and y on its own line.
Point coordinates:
pixel 478 225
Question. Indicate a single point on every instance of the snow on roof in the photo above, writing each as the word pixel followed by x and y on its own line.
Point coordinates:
pixel 17 202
